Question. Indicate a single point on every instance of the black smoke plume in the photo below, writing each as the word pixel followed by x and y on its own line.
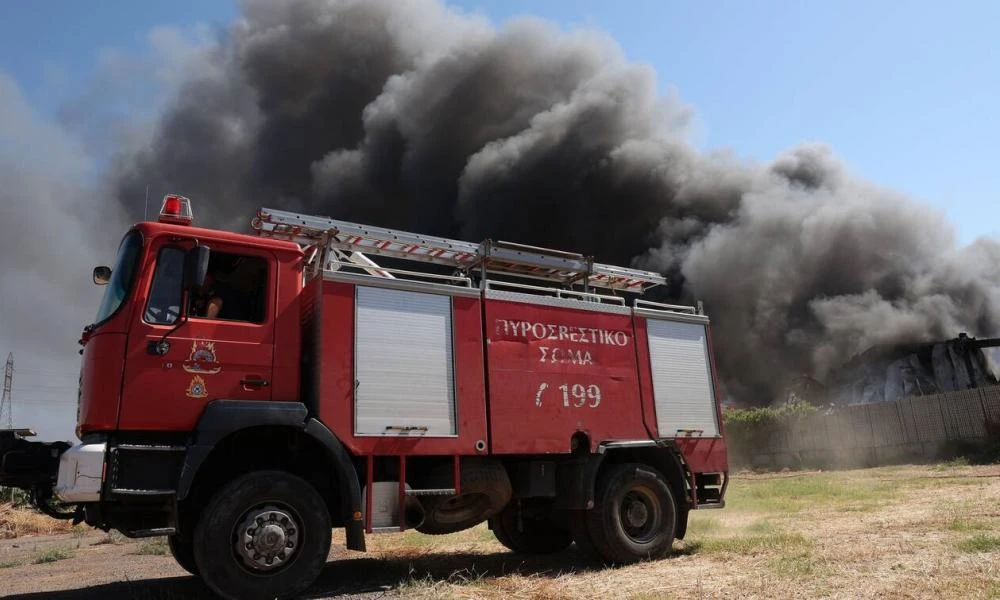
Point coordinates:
pixel 410 115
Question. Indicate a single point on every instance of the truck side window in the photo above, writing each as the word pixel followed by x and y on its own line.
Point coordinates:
pixel 164 304
pixel 235 289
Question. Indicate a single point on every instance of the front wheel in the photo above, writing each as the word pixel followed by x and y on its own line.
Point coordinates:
pixel 634 514
pixel 183 553
pixel 265 534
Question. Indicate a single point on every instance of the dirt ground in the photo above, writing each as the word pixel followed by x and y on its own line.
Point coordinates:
pixel 893 532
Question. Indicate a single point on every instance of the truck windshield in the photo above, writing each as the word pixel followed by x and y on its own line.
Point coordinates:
pixel 122 274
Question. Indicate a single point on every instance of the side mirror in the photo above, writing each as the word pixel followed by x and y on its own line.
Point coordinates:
pixel 102 275
pixel 196 266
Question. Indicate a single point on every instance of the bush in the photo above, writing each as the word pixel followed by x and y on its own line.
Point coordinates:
pixel 15 497
pixel 749 429
pixel 52 555
pixel 748 419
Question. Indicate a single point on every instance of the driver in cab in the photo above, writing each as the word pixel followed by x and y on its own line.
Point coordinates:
pixel 206 301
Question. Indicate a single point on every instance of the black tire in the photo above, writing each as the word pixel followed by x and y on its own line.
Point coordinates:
pixel 577 520
pixel 634 515
pixel 268 510
pixel 485 490
pixel 183 552
pixel 537 532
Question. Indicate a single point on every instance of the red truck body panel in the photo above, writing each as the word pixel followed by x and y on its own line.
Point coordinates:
pixel 100 382
pixel 336 378
pixel 556 371
pixel 550 372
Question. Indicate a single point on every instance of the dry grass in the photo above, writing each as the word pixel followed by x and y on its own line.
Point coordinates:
pixel 52 555
pixel 112 537
pixel 154 547
pixel 18 522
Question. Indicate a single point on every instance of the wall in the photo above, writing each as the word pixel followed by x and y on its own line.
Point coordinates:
pixel 911 429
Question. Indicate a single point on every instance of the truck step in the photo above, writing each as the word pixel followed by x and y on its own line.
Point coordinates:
pixel 432 492
pixel 133 492
pixel 154 532
pixel 386 529
pixel 151 447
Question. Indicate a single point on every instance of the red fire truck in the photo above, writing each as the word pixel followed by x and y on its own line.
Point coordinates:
pixel 245 394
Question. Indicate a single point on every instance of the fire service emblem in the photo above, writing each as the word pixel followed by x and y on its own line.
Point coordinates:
pixel 202 359
pixel 196 389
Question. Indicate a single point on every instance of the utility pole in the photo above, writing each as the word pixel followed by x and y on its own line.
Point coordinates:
pixel 5 401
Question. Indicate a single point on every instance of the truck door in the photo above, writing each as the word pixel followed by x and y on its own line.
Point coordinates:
pixel 227 355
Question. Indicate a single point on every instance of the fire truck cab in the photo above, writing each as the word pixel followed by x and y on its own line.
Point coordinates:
pixel 245 394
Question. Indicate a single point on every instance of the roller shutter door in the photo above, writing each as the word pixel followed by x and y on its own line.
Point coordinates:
pixel 682 379
pixel 404 363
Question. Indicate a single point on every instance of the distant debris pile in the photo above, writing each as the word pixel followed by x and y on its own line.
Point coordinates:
pixel 884 374
pixel 887 373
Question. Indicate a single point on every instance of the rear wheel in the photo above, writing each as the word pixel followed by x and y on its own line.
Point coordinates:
pixel 262 535
pixel 528 527
pixel 634 514
pixel 183 552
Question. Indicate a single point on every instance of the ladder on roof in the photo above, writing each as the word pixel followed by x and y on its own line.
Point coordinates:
pixel 501 258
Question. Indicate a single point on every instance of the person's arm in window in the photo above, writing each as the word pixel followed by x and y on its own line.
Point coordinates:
pixel 213 308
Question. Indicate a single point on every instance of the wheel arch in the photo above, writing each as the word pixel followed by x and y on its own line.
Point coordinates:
pixel 233 437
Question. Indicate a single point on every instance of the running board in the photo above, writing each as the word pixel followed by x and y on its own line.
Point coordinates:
pixel 386 529
pixel 132 492
pixel 154 532
pixel 431 492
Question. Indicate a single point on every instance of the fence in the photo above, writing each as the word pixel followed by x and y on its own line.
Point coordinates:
pixel 917 428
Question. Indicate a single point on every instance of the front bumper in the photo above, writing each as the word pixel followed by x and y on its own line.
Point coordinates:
pixel 81 470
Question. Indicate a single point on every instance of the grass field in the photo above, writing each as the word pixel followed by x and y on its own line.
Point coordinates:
pixel 893 532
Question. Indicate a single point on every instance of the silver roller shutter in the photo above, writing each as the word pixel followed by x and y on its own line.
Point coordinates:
pixel 682 379
pixel 404 363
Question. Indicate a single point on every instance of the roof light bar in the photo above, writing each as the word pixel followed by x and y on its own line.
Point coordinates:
pixel 176 209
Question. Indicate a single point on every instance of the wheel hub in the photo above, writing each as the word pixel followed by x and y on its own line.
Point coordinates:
pixel 637 514
pixel 640 514
pixel 267 538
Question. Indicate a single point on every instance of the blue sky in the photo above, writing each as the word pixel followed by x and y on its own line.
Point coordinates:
pixel 903 92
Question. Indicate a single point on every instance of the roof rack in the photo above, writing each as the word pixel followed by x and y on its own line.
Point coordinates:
pixel 490 257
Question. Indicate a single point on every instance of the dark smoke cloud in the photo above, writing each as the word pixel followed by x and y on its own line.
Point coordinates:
pixel 407 114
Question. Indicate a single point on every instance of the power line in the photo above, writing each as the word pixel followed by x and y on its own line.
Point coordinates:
pixel 61 374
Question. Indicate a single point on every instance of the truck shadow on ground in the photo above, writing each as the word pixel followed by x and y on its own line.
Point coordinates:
pixel 351 577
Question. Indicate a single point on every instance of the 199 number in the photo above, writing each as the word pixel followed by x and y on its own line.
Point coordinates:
pixel 576 395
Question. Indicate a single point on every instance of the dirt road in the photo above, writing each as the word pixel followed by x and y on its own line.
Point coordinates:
pixel 900 532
